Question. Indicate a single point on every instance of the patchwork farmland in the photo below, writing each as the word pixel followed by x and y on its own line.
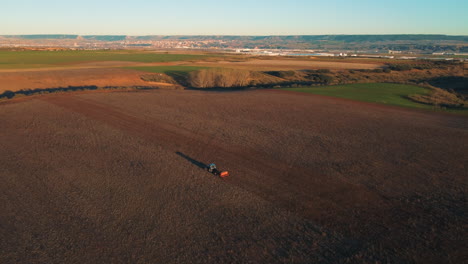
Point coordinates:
pixel 103 159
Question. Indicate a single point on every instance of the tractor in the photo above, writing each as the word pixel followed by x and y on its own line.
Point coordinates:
pixel 214 170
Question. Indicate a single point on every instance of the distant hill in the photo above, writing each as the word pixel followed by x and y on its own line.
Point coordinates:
pixel 302 38
pixel 368 43
pixel 57 36
pixel 38 37
pixel 105 37
pixel 307 38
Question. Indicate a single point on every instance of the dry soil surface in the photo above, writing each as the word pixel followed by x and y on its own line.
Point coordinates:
pixel 55 78
pixel 118 178
pixel 290 64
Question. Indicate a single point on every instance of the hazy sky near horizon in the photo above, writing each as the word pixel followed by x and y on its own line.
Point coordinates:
pixel 234 17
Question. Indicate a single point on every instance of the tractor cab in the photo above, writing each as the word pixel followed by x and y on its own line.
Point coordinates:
pixel 214 170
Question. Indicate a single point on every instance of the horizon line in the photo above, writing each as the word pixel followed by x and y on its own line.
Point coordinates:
pixel 248 35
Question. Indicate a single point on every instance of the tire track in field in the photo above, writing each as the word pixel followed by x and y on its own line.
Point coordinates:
pixel 318 197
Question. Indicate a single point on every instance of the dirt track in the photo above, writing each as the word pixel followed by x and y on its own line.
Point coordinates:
pixel 314 179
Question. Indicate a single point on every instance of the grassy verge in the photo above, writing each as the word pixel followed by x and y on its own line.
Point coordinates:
pixel 383 93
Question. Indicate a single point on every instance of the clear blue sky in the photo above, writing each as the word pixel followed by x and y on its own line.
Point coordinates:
pixel 241 17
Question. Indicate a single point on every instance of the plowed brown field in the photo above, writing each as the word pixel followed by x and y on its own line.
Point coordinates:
pixel 117 178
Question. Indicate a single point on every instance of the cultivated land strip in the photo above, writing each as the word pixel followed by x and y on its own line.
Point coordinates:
pixel 90 65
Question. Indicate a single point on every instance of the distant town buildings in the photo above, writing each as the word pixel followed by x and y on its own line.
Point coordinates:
pixel 235 45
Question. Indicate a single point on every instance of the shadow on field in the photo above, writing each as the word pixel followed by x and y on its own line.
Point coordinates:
pixel 27 92
pixel 457 83
pixel 180 77
pixel 293 84
pixel 223 90
pixel 199 164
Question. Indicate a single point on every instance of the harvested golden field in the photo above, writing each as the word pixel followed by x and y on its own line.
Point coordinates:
pixel 118 178
pixel 42 79
pixel 290 64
